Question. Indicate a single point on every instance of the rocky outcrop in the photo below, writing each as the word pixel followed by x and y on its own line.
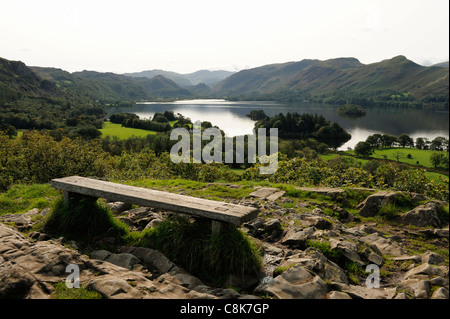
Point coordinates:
pixel 372 204
pixel 423 216
pixel 295 283
pixel 30 270
pixel 307 254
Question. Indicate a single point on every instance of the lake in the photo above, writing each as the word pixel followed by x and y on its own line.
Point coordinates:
pixel 230 117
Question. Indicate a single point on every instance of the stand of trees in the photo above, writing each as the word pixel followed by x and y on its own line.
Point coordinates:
pixel 305 126
pixel 439 143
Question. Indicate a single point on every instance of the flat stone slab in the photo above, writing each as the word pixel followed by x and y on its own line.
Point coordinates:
pixel 199 207
pixel 263 192
pixel 329 191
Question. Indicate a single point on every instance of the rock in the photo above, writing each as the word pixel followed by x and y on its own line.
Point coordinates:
pixel 37 236
pixel 15 282
pixel 338 295
pixel 325 268
pixel 436 233
pixel 30 270
pixel 373 257
pixel 118 207
pixel 275 196
pixel 154 259
pixel 273 229
pixel 439 281
pixel 154 222
pixel 111 287
pixel 428 270
pixel 318 222
pixel 440 293
pixel 361 292
pixel 372 204
pixel 264 192
pixel 295 283
pixel 422 216
pixel 123 260
pixel 420 289
pixel 432 258
pixel 185 279
pixel 100 254
pixel 242 282
pixel 347 249
pixel 385 245
pixel 296 238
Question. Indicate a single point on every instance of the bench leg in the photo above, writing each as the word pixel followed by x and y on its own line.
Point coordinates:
pixel 216 226
pixel 69 197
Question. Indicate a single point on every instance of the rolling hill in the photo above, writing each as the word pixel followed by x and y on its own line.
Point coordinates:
pixel 341 79
pixel 186 80
pixel 101 86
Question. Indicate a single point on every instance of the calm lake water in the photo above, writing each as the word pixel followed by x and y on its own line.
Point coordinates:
pixel 230 117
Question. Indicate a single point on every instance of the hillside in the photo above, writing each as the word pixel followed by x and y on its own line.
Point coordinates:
pixel 29 101
pixel 185 80
pixel 17 80
pixel 341 80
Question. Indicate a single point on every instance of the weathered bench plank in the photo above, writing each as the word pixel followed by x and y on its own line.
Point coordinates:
pixel 214 210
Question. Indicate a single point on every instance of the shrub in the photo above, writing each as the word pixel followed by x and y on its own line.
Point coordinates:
pixel 83 220
pixel 210 256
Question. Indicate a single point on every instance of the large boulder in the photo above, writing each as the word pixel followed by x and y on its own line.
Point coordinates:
pixel 423 215
pixel 372 204
pixel 295 283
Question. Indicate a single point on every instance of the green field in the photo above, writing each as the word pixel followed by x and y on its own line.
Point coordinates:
pixel 421 156
pixel 113 129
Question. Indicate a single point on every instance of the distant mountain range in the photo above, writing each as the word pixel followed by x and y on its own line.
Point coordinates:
pixel 340 78
pixel 393 82
pixel 186 80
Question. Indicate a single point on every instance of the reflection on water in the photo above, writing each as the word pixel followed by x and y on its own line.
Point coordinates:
pixel 230 117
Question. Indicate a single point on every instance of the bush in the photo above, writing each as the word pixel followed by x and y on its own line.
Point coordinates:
pixel 84 221
pixel 210 256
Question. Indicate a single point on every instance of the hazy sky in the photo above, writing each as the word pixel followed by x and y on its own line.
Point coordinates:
pixel 188 35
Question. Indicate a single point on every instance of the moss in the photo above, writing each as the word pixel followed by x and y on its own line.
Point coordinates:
pixel 63 292
pixel 278 271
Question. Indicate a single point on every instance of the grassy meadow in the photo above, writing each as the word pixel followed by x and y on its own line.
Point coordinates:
pixel 121 132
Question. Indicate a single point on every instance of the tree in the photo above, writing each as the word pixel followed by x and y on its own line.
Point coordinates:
pixel 374 140
pixel 439 143
pixel 436 159
pixel 398 155
pixel 404 140
pixel 8 129
pixel 420 143
pixel 363 150
pixel 387 140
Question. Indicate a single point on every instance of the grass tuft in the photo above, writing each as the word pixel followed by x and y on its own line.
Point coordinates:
pixel 210 256
pixel 83 221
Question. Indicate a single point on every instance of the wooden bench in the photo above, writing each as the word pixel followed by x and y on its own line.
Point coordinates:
pixel 219 213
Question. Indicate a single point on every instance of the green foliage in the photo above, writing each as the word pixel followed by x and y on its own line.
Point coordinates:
pixel 363 149
pixel 21 198
pixel 206 255
pixel 83 220
pixel 37 158
pixel 325 248
pixel 351 110
pixel 278 271
pixel 256 115
pixel 62 292
pixel 304 126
